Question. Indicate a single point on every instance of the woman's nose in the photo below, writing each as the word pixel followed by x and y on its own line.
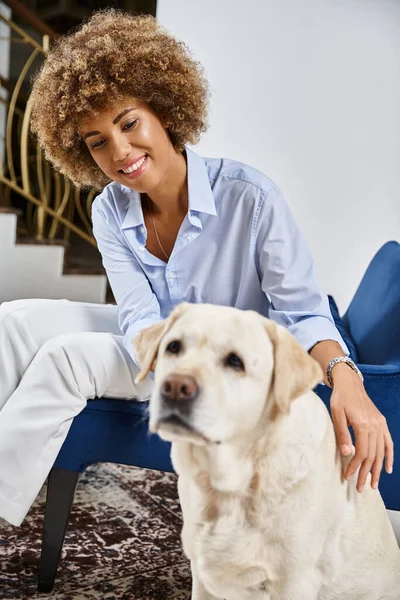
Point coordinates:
pixel 121 149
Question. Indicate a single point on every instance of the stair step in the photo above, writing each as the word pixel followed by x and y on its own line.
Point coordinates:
pixel 84 271
pixel 31 268
pixel 36 242
pixel 11 210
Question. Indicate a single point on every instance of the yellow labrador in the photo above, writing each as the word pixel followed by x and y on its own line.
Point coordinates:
pixel 266 512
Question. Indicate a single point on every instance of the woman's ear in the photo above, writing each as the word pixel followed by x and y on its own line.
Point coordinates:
pixel 148 340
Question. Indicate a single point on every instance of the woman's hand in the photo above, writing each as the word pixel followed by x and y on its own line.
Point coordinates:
pixel 351 405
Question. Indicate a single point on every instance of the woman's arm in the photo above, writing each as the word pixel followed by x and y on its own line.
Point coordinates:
pixel 288 279
pixel 288 276
pixel 138 306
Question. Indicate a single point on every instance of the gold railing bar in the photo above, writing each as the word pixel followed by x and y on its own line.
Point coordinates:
pixel 47 186
pixel 14 40
pixel 66 195
pixel 41 215
pixel 89 201
pixel 80 210
pixel 11 110
pixel 25 36
pixel 44 181
pixel 70 214
pixel 47 179
pixel 29 218
pixel 50 211
pixel 28 15
pixel 9 86
pixel 24 148
pixel 57 202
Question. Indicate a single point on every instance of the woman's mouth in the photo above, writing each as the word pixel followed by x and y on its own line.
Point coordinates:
pixel 136 169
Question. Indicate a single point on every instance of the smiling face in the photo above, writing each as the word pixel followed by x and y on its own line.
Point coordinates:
pixel 130 145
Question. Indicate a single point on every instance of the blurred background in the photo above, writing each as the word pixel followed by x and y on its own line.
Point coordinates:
pixel 308 91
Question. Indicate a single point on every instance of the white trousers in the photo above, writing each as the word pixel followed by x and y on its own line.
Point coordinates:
pixel 54 355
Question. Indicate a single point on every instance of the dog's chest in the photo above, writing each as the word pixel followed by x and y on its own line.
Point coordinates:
pixel 233 554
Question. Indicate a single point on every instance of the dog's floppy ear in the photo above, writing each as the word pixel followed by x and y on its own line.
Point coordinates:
pixel 147 341
pixel 295 371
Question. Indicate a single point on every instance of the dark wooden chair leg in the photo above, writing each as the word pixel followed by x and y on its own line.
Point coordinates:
pixel 61 487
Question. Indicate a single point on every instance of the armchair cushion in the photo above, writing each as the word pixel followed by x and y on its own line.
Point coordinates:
pixel 113 430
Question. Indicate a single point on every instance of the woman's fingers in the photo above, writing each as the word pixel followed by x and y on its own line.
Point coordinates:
pixel 361 454
pixel 378 464
pixel 389 451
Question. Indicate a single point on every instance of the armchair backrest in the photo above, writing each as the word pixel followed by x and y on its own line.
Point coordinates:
pixel 373 316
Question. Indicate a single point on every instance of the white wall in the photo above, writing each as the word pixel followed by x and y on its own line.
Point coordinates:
pixel 4 72
pixel 308 91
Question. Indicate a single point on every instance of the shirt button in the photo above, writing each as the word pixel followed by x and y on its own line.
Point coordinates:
pixel 142 229
pixel 141 248
pixel 171 275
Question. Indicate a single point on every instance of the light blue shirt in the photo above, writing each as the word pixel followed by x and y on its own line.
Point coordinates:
pixel 239 245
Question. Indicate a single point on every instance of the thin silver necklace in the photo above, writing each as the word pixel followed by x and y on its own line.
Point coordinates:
pixel 155 230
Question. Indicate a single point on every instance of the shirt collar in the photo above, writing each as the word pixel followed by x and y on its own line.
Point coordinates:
pixel 201 199
pixel 133 208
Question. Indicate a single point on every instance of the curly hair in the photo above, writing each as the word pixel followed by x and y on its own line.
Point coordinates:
pixel 111 56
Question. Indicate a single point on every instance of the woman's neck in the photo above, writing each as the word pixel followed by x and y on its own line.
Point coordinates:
pixel 170 199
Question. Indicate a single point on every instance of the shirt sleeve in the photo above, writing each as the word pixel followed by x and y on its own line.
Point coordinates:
pixel 288 275
pixel 138 306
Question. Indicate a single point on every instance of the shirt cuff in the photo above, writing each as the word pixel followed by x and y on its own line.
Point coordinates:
pixel 312 330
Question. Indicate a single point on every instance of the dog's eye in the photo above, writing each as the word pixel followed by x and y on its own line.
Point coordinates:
pixel 233 361
pixel 174 347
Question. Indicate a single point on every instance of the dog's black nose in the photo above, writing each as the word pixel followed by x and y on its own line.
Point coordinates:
pixel 179 387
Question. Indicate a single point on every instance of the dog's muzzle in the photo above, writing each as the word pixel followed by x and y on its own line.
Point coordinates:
pixel 179 390
pixel 178 394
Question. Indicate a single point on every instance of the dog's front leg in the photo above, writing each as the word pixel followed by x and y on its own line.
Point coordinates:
pixel 199 591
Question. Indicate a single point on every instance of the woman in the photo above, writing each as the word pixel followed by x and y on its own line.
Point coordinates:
pixel 115 105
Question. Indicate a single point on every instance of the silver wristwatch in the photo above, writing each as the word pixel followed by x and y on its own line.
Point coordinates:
pixel 341 359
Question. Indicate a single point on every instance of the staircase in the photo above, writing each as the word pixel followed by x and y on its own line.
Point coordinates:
pixel 29 269
pixel 47 248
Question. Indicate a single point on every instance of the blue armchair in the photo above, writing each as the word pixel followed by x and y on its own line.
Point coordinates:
pixel 371 328
pixel 110 430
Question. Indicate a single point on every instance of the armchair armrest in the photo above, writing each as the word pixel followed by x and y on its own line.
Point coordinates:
pixel 379 370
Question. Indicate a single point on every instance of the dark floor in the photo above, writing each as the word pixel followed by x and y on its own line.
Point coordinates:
pixel 123 542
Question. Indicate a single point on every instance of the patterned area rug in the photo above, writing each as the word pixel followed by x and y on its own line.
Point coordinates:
pixel 123 541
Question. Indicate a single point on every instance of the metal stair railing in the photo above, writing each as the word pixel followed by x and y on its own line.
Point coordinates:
pixel 55 207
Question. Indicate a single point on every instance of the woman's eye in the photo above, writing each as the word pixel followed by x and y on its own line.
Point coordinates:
pixel 97 144
pixel 126 127
pixel 234 361
pixel 174 347
pixel 130 125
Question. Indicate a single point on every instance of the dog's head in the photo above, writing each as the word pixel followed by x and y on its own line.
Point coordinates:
pixel 219 371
